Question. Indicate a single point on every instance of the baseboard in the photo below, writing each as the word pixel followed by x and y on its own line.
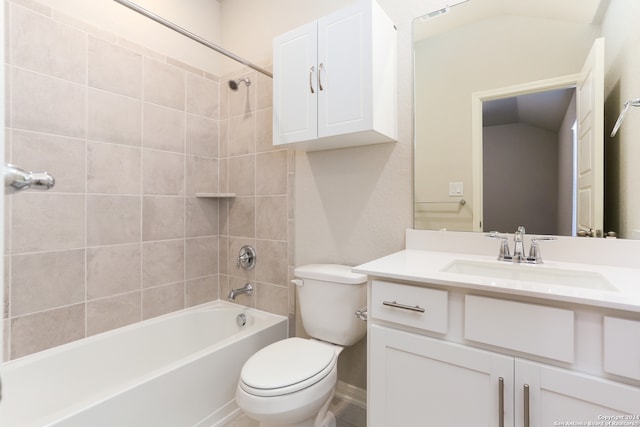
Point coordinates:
pixel 352 394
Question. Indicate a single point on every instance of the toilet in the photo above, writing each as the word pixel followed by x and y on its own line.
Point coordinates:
pixel 291 382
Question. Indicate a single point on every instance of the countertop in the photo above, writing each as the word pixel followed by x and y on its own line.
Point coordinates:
pixel 426 267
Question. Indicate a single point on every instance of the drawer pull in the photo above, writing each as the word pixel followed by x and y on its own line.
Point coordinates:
pixel 500 402
pixel 527 418
pixel 403 306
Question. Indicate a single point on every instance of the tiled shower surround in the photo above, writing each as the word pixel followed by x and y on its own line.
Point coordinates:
pixel 131 136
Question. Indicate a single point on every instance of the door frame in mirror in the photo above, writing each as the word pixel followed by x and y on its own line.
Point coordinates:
pixel 477 98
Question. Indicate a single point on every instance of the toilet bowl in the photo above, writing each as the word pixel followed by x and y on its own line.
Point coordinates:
pixel 292 382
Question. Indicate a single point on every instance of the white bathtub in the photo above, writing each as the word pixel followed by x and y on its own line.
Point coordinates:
pixel 176 370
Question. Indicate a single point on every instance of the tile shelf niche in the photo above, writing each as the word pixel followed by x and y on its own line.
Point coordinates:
pixel 216 195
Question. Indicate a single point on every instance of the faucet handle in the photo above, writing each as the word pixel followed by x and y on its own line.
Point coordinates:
pixel 534 251
pixel 504 253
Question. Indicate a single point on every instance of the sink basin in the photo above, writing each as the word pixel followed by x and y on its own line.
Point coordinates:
pixel 532 273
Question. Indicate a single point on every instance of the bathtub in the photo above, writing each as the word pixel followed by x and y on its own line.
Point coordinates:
pixel 177 370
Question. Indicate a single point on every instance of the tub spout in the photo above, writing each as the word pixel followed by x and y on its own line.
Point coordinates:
pixel 246 289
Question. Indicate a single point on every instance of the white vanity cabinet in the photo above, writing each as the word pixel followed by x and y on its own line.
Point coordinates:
pixel 423 372
pixel 335 79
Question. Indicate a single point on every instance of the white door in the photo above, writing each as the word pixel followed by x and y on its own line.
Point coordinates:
pixel 295 85
pixel 590 105
pixel 421 381
pixel 344 77
pixel 558 396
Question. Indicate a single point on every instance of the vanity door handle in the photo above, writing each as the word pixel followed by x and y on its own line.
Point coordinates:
pixel 403 306
pixel 526 405
pixel 500 402
pixel 320 68
pixel 311 79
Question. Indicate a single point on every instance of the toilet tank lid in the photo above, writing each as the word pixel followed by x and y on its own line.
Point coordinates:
pixel 330 273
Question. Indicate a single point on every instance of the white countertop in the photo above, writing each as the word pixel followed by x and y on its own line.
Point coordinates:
pixel 425 266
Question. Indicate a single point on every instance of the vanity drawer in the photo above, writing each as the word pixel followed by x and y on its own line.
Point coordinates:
pixel 530 328
pixel 622 347
pixel 414 306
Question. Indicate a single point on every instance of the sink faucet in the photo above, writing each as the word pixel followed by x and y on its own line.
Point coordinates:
pixel 246 289
pixel 518 256
pixel 518 244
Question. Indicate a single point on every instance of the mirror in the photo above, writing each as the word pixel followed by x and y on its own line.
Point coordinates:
pixel 484 45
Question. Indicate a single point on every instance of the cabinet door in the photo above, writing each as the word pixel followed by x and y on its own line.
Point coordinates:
pixel 558 396
pixel 420 381
pixel 295 85
pixel 344 71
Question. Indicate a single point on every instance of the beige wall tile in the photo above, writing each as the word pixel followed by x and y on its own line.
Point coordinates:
pixel 202 175
pixel 241 135
pixel 163 128
pixel 201 216
pixel 46 280
pixel 264 86
pixel 59 226
pixel 114 118
pixel 242 217
pixel 223 254
pixel 110 313
pixel 63 157
pixel 113 220
pixel 162 300
pixel 202 96
pixel 162 262
pixel 272 267
pixel 114 68
pixel 271 173
pixel 271 217
pixel 54 49
pixel 202 136
pixel 201 290
pixel 264 130
pixel 273 299
pixel 47 104
pixel 201 257
pixel 39 331
pixel 241 175
pixel 113 169
pixel 164 84
pixel 163 173
pixel 113 270
pixel 163 218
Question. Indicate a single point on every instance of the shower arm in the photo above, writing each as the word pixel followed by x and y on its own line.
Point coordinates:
pixel 192 36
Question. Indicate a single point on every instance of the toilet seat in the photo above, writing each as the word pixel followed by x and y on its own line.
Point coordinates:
pixel 287 366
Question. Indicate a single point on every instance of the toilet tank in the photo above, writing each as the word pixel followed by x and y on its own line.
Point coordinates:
pixel 329 295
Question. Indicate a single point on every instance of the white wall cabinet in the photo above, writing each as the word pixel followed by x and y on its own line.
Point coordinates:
pixel 416 379
pixel 335 80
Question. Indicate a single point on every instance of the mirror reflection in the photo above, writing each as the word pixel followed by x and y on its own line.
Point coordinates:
pixel 481 46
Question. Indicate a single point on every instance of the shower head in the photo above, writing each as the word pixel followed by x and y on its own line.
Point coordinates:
pixel 233 84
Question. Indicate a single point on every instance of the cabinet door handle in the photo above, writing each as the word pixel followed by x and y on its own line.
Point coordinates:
pixel 320 67
pixel 526 405
pixel 403 306
pixel 311 79
pixel 500 402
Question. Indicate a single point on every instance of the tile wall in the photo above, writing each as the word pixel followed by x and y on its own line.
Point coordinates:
pixel 131 137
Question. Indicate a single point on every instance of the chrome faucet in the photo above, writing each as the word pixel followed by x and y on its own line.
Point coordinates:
pixel 518 256
pixel 246 289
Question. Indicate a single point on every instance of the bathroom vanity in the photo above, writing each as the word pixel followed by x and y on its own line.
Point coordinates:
pixel 456 337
